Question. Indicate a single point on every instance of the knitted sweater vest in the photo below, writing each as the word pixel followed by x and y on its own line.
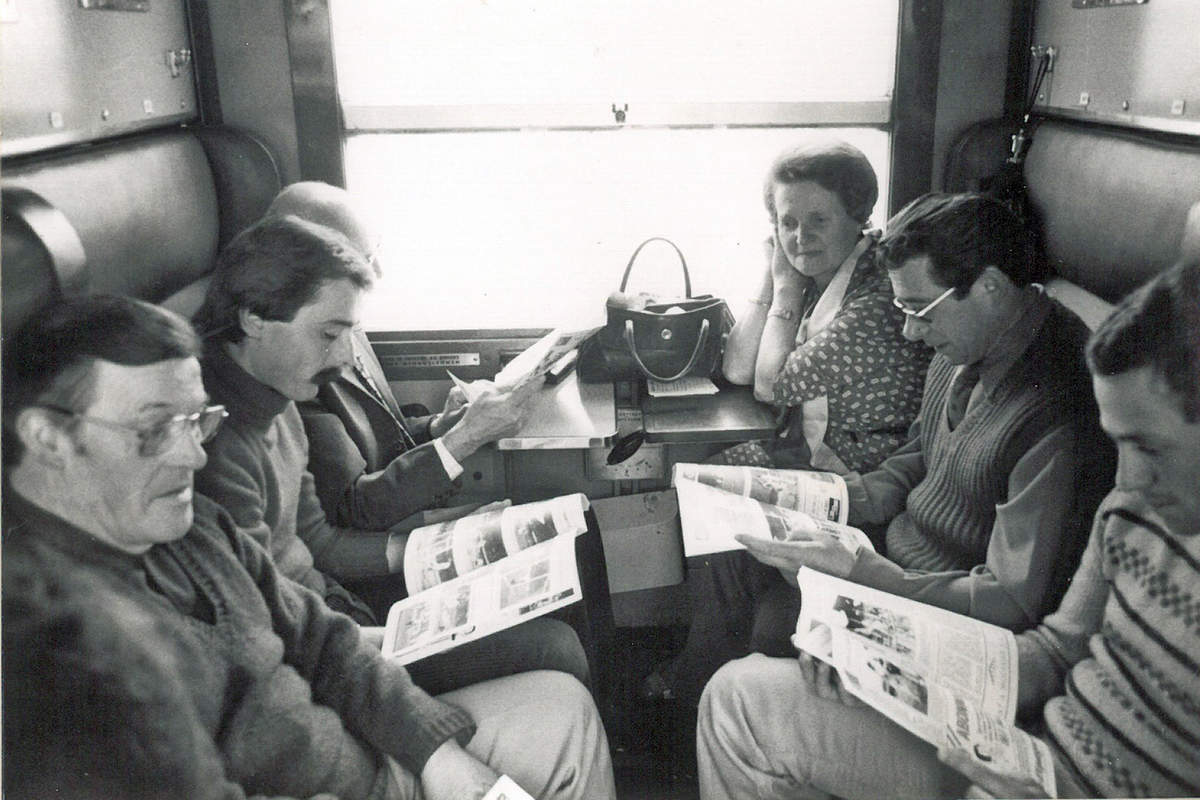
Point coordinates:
pixel 953 508
pixel 1130 720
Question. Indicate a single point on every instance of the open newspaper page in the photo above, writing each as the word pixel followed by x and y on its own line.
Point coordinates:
pixel 446 550
pixel 945 677
pixel 534 362
pixel 709 518
pixel 530 583
pixel 821 495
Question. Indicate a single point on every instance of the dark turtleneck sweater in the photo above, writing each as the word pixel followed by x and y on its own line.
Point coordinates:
pixel 257 470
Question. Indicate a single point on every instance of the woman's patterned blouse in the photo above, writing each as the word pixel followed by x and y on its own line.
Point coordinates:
pixel 861 361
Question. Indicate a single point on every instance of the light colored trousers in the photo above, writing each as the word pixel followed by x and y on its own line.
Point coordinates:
pixel 763 734
pixel 539 728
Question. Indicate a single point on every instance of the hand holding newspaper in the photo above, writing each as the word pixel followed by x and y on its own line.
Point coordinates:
pixel 482 573
pixel 947 678
pixel 533 363
pixel 717 503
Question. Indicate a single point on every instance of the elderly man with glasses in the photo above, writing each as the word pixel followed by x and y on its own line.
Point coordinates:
pixel 153 649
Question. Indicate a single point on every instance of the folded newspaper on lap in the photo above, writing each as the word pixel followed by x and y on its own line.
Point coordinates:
pixel 948 678
pixel 717 502
pixel 473 576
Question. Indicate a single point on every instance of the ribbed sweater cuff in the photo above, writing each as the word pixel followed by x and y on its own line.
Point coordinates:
pixel 435 725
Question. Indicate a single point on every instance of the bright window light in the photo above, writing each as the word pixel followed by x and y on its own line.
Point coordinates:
pixel 526 217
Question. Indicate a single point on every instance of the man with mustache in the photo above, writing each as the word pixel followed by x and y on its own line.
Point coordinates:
pixel 278 323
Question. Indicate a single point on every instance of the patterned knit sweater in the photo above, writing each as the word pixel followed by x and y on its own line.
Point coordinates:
pixel 952 510
pixel 1129 722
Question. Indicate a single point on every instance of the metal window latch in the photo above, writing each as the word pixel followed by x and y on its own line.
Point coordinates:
pixel 619 113
pixel 177 59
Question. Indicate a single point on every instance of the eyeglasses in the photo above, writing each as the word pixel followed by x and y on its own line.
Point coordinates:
pixel 924 312
pixel 158 438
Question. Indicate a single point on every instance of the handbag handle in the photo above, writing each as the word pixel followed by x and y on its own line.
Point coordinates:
pixel 687 367
pixel 687 279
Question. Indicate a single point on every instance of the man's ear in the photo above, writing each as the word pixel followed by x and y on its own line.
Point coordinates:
pixel 250 323
pixel 992 279
pixel 43 436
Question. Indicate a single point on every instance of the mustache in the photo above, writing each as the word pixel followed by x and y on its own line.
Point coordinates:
pixel 326 375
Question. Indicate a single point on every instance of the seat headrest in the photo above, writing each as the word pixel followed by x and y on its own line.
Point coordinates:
pixel 148 212
pixel 1111 203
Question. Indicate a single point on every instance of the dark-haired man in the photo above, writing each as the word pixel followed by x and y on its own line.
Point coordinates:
pixel 104 416
pixel 1113 670
pixel 372 465
pixel 986 507
pixel 278 323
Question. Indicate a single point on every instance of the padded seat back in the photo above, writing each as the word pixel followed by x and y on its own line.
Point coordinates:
pixel 149 212
pixel 1112 204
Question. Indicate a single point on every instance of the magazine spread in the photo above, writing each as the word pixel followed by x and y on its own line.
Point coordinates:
pixel 479 574
pixel 948 678
pixel 718 502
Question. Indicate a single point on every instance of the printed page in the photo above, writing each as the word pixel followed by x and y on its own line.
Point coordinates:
pixel 444 551
pixel 537 359
pixel 692 385
pixel 531 583
pixel 973 660
pixel 821 495
pixel 534 362
pixel 710 518
pixel 942 676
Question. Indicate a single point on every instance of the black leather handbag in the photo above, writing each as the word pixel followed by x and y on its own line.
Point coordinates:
pixel 660 338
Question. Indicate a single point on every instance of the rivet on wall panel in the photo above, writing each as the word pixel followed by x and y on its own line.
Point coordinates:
pixel 1124 105
pixel 148 106
pixel 105 113
pixel 56 119
pixel 1084 98
pixel 1177 106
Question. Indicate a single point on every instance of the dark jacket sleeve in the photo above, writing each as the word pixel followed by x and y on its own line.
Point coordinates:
pixel 375 698
pixel 354 492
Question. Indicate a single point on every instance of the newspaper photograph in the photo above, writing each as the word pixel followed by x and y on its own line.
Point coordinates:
pixel 945 677
pixel 710 519
pixel 444 551
pixel 821 495
pixel 528 584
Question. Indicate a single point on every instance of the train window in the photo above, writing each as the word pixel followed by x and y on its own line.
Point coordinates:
pixel 515 152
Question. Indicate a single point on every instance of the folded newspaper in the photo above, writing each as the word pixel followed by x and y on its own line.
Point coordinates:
pixel 534 362
pixel 718 502
pixel 948 678
pixel 473 576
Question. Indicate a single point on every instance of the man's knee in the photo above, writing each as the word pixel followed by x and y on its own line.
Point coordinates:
pixel 557 738
pixel 561 649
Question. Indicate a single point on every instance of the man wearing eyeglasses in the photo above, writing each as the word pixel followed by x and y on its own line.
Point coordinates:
pixel 258 688
pixel 986 506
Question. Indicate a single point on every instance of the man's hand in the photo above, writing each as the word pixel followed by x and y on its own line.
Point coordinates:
pixel 817 550
pixel 989 781
pixel 452 773
pixel 493 415
pixel 823 680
